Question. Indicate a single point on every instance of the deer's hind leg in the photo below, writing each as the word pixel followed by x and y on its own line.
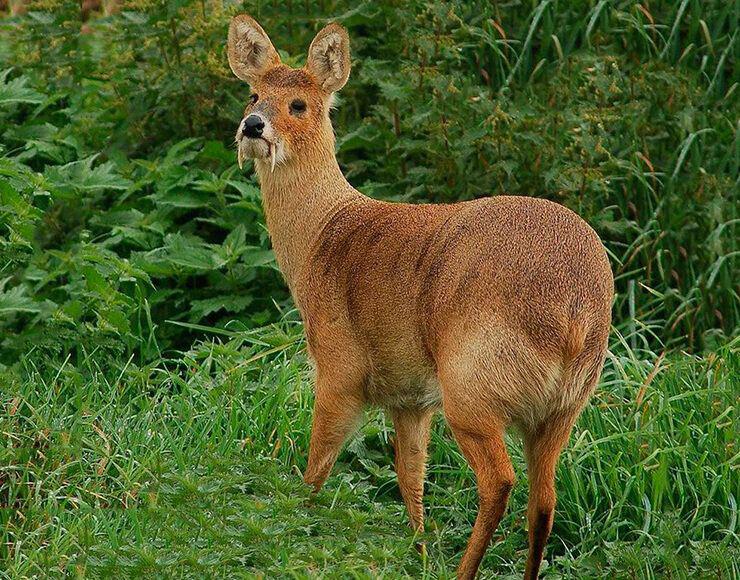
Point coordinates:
pixel 412 438
pixel 542 446
pixel 480 435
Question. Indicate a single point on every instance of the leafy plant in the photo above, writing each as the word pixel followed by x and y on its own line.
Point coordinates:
pixel 116 140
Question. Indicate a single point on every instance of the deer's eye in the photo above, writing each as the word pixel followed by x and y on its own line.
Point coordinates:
pixel 253 98
pixel 297 107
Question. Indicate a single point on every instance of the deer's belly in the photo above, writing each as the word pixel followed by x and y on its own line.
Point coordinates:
pixel 403 389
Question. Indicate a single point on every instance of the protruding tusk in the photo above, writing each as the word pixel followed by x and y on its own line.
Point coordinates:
pixel 272 157
pixel 240 156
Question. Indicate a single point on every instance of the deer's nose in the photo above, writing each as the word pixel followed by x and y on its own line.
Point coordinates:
pixel 253 126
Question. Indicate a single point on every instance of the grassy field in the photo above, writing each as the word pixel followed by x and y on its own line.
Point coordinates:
pixel 155 397
pixel 191 467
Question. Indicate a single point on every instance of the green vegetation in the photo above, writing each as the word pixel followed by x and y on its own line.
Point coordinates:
pixel 204 452
pixel 154 393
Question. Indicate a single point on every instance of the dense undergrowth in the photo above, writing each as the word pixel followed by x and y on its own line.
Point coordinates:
pixel 134 443
pixel 122 206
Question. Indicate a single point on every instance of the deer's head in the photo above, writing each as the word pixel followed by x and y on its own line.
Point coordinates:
pixel 287 114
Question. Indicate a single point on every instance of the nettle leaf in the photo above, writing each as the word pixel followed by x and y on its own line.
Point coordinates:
pixel 211 183
pixel 17 90
pixel 363 13
pixel 248 190
pixel 20 176
pixel 216 151
pixel 201 308
pixel 181 152
pixel 399 90
pixel 255 256
pixel 16 300
pixel 16 205
pixel 190 252
pixel 51 151
pixel 235 242
pixel 183 198
pixel 473 135
pixel 97 283
pixel 80 176
pixel 507 166
pixel 114 319
pixel 364 136
pixel 32 132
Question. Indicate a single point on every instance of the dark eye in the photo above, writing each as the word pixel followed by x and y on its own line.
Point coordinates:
pixel 253 98
pixel 298 106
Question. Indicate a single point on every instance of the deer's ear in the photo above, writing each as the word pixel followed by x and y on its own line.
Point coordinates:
pixel 250 51
pixel 328 57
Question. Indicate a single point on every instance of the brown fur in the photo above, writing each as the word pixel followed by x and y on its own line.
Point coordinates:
pixel 495 310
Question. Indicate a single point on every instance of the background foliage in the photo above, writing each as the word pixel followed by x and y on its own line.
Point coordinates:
pixel 122 206
pixel 127 233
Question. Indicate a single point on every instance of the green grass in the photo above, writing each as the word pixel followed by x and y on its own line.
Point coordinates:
pixel 192 468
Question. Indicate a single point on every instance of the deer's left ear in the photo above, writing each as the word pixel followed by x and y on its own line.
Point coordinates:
pixel 328 57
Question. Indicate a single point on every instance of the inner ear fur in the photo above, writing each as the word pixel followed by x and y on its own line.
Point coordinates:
pixel 329 57
pixel 250 51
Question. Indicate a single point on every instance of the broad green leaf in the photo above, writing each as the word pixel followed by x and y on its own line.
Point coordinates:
pixel 97 283
pixel 16 300
pixel 80 177
pixel 248 190
pixel 17 90
pixel 191 253
pixel 254 256
pixel 199 309
pixel 183 198
pixel 236 241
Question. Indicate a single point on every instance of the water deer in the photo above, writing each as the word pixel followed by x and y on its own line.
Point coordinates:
pixel 496 310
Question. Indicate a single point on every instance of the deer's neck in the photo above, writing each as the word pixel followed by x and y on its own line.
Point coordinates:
pixel 299 198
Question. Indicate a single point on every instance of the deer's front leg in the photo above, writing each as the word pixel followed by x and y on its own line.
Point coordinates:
pixel 337 409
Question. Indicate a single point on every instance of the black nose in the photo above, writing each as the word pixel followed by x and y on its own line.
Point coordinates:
pixel 252 126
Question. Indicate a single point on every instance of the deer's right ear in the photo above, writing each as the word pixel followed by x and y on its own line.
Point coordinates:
pixel 250 51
